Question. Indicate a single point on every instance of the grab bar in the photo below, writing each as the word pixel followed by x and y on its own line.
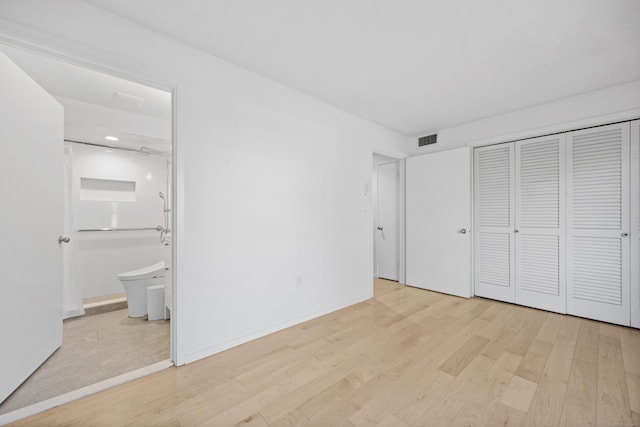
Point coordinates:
pixel 156 228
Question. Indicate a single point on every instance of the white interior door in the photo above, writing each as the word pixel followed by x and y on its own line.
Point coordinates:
pixel 31 188
pixel 387 221
pixel 438 219
pixel 598 223
pixel 494 238
pixel 635 224
pixel 540 223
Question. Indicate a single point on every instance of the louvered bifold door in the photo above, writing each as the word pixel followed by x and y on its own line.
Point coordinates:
pixel 493 222
pixel 539 228
pixel 635 224
pixel 598 223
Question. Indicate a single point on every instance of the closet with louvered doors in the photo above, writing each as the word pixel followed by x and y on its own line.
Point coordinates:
pixel 540 223
pixel 598 240
pixel 519 222
pixel 557 222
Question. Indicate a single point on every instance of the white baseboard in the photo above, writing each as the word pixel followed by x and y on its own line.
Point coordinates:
pixel 210 351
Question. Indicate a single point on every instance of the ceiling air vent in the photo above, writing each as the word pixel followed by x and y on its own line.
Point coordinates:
pixel 427 140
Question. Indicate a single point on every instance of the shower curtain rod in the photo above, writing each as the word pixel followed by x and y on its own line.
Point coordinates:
pixel 95 144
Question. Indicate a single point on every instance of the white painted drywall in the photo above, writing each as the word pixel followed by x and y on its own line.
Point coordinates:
pixel 270 182
pixel 525 122
pixel 100 255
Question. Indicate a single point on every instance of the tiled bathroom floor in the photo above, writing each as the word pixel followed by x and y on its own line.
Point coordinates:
pixel 94 348
pixel 103 298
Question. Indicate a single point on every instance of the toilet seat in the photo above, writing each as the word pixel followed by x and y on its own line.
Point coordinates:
pixel 149 272
pixel 136 282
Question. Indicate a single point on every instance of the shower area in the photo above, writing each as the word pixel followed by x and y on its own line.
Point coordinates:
pixel 119 216
pixel 116 238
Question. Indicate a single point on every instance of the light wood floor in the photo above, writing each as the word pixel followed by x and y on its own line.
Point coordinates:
pixel 406 357
pixel 94 348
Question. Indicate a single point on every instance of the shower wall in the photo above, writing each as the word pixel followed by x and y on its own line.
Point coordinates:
pixel 115 189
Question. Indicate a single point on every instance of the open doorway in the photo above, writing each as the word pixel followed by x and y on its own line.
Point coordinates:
pixel 114 159
pixel 387 217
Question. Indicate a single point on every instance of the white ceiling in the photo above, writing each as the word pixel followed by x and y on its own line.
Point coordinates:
pixel 131 100
pixel 74 82
pixel 413 65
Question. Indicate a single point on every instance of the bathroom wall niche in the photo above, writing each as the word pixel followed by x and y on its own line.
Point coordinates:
pixel 108 190
pixel 117 188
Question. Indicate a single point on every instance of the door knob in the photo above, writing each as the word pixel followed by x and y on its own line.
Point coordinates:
pixel 463 231
pixel 62 240
pixel 515 231
pixel 624 234
pixel 380 228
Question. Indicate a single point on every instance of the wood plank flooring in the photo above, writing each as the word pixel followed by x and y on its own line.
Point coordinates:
pixel 407 357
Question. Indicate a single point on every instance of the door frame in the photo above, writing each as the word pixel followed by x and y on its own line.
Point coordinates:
pixel 399 157
pixel 100 66
pixel 634 262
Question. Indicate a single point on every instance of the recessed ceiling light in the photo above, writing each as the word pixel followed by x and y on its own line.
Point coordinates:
pixel 112 138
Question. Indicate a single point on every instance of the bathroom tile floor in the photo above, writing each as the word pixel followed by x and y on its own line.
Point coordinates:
pixel 94 348
pixel 103 298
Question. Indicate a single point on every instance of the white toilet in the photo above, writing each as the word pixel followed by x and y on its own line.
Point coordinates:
pixel 135 284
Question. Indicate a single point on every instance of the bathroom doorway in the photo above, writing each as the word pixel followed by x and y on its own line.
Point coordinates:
pixel 116 236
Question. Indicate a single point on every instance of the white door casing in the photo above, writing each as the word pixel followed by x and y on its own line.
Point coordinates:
pixel 634 233
pixel 31 184
pixel 438 219
pixel 598 223
pixel 387 260
pixel 494 204
pixel 540 223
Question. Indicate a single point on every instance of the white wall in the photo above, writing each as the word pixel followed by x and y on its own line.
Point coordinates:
pixel 270 182
pixel 99 255
pixel 525 122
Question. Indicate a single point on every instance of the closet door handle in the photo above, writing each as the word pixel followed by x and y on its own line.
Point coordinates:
pixel 516 230
pixel 624 234
pixel 462 231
